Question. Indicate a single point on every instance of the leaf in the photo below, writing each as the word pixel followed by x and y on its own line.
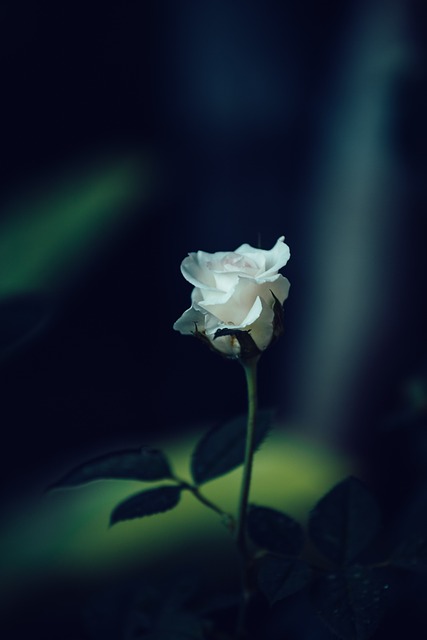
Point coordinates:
pixel 147 503
pixel 351 602
pixel 223 448
pixel 344 521
pixel 411 554
pixel 280 577
pixel 144 464
pixel 275 531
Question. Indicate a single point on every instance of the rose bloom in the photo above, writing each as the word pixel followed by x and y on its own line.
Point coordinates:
pixel 233 290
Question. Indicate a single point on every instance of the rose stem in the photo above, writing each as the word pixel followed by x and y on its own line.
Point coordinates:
pixel 250 368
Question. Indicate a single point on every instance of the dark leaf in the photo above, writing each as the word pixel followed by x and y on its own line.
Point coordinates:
pixel 147 503
pixel 351 602
pixel 133 464
pixel 411 554
pixel 223 448
pixel 280 577
pixel 344 521
pixel 275 531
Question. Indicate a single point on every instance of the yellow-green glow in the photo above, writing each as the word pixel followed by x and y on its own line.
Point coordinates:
pixel 47 237
pixel 67 532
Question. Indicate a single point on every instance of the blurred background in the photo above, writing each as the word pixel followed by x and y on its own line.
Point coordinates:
pixel 134 134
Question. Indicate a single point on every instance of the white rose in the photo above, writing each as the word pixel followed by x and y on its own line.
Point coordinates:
pixel 233 290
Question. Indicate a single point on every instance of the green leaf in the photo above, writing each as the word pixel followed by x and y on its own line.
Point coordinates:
pixel 280 577
pixel 351 602
pixel 275 531
pixel 344 521
pixel 411 554
pixel 144 464
pixel 147 503
pixel 223 448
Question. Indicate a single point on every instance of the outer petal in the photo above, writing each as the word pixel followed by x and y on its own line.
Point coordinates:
pixel 279 286
pixel 186 323
pixel 275 258
pixel 234 310
pixel 213 322
pixel 202 298
pixel 253 314
pixel 259 322
pixel 262 329
pixel 219 296
pixel 195 273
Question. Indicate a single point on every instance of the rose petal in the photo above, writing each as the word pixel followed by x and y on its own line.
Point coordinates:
pixel 215 297
pixel 237 307
pixel 255 255
pixel 262 330
pixel 187 323
pixel 214 323
pixel 275 258
pixel 280 287
pixel 253 315
pixel 226 281
pixel 196 273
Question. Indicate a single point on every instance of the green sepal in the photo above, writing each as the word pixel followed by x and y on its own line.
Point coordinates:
pixel 278 319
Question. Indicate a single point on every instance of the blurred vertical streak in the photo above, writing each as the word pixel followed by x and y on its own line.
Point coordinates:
pixel 233 93
pixel 352 240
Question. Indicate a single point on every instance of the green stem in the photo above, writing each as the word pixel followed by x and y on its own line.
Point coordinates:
pixel 204 500
pixel 208 503
pixel 251 382
pixel 250 368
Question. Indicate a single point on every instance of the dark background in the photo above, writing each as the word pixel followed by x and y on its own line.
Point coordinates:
pixel 255 120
